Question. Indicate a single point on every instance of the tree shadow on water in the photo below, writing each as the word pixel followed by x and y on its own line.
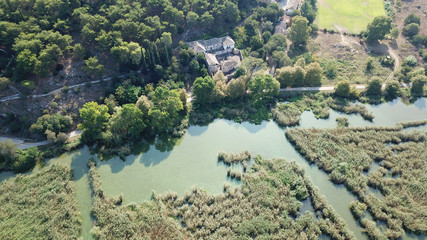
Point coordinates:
pixel 153 157
pixel 420 103
pixel 79 162
pixel 197 130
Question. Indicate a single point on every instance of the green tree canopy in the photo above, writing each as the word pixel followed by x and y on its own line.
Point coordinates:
pixel 378 28
pixel 263 87
pixel 285 76
pixel 313 75
pixel 236 88
pixel 299 31
pixel 418 83
pixel 203 89
pixel 127 122
pixel 343 89
pixel 392 89
pixel 374 87
pixel 412 18
pixel 276 42
pixel 411 29
pixel 95 119
pixel 164 113
pixel 93 67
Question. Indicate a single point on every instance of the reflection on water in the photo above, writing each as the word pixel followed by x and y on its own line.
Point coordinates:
pixel 193 161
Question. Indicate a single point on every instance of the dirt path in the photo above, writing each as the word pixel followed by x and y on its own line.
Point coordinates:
pixel 22 143
pixel 27 143
pixel 394 55
pixel 396 58
pixel 320 89
pixel 17 96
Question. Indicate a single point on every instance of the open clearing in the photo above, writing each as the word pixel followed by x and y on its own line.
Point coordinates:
pixel 348 15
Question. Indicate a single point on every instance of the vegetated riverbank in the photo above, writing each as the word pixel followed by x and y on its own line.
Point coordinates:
pixel 267 205
pixel 114 221
pixel 40 206
pixel 289 114
pixel 346 153
pixel 186 165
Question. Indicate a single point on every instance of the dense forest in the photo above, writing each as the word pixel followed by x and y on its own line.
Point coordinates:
pixel 38 36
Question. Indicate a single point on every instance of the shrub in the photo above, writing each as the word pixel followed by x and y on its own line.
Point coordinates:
pixel 370 64
pixel 29 85
pixel 343 89
pixel 410 61
pixel 387 61
pixel 420 40
pixel 411 30
pixel 417 88
pixel 423 54
pixel 412 18
pixel 314 28
pixel 331 70
pixel 394 34
pixel 354 93
pixel 392 89
pixel 374 87
pixel 4 83
pixel 52 122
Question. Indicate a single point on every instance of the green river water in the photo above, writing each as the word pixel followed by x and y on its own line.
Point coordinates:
pixel 193 161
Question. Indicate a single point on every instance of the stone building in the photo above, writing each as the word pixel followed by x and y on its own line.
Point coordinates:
pixel 219 53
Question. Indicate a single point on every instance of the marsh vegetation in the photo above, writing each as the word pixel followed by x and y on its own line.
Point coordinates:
pixel 267 205
pixel 40 206
pixel 347 153
pixel 288 114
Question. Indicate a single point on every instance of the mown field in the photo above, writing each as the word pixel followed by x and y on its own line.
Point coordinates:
pixel 350 15
pixel 40 206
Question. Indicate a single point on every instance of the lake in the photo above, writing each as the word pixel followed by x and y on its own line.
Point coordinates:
pixel 193 161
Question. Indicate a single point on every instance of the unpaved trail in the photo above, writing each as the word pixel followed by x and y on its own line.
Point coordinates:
pixel 396 58
pixel 17 96
pixel 23 144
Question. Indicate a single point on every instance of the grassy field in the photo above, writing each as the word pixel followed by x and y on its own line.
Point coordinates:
pixel 350 15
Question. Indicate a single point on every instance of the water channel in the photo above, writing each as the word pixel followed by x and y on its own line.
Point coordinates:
pixel 193 161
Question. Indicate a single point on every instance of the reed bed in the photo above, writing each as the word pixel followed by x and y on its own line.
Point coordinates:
pixel 234 174
pixel 413 123
pixel 234 158
pixel 288 114
pixel 346 153
pixel 342 121
pixel 40 206
pixel 344 106
pixel 134 221
pixel 265 207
